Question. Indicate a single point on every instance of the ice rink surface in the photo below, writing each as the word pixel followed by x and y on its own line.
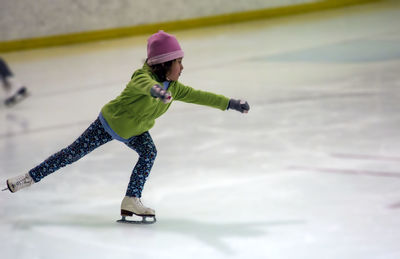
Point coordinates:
pixel 313 171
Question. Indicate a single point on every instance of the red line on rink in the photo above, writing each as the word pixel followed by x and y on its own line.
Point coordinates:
pixel 395 206
pixel 348 171
pixel 368 157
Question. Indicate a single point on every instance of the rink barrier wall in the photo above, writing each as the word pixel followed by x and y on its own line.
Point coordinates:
pixel 81 37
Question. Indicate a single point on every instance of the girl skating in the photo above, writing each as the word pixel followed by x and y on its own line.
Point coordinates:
pixel 129 117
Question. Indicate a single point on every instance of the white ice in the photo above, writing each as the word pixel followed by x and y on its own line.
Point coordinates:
pixel 313 171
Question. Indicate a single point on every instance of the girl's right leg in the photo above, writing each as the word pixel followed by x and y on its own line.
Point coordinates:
pixel 131 204
pixel 93 137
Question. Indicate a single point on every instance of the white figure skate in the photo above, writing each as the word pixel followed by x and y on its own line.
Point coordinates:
pixel 19 182
pixel 133 205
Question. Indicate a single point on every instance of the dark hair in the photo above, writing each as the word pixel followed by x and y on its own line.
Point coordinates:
pixel 160 70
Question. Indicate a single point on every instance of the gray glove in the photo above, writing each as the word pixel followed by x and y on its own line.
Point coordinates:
pixel 157 92
pixel 239 105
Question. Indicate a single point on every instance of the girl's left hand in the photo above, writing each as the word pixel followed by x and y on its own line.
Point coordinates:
pixel 239 105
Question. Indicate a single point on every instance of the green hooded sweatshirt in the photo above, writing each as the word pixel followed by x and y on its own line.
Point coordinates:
pixel 134 111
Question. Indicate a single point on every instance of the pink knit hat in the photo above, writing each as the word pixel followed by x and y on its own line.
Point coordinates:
pixel 162 47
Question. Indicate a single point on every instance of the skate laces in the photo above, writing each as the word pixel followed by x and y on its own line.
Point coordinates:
pixel 22 180
pixel 139 202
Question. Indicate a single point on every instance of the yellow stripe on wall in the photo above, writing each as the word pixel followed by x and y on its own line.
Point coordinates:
pixel 57 40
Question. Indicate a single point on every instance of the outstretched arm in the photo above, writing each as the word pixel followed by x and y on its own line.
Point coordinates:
pixel 190 95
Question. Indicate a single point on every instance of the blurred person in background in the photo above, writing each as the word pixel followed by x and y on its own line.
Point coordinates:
pixel 15 91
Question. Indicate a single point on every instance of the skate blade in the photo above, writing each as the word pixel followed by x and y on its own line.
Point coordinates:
pixel 144 220
pixel 5 189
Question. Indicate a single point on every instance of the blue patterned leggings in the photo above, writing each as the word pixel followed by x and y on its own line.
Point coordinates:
pixel 92 138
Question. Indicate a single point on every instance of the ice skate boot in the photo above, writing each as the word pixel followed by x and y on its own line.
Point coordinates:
pixel 21 94
pixel 133 206
pixel 19 182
